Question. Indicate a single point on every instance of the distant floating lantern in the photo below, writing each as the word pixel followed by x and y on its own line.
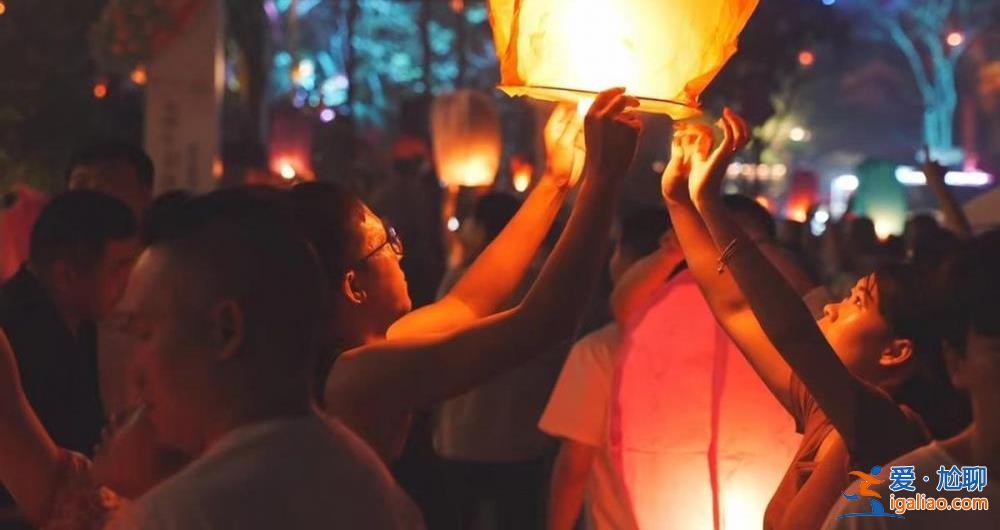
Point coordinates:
pixel 100 90
pixel 521 171
pixel 663 52
pixel 881 197
pixel 139 75
pixel 466 133
pixel 803 191
pixel 806 58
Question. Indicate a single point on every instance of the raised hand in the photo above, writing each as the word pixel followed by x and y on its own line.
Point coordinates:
pixel 933 170
pixel 611 133
pixel 686 139
pixel 563 150
pixel 709 169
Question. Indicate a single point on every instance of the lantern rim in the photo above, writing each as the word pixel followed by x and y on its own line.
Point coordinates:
pixel 677 110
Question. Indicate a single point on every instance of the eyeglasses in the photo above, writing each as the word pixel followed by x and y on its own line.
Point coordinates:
pixel 392 240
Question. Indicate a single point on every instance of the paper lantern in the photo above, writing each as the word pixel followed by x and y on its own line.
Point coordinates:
pixel 802 195
pixel 665 52
pixel 881 197
pixel 466 131
pixel 693 430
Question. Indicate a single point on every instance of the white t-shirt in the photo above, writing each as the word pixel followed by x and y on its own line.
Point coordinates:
pixel 926 461
pixel 578 411
pixel 300 473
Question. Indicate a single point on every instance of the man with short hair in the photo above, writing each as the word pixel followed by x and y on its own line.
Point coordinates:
pixel 82 247
pixel 119 169
pixel 224 308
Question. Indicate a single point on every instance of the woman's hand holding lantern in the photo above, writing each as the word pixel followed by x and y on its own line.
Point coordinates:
pixel 708 169
pixel 564 150
pixel 611 133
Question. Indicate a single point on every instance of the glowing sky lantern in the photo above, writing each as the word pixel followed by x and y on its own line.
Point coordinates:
pixel 693 430
pixel 466 132
pixel 881 197
pixel 665 52
pixel 802 195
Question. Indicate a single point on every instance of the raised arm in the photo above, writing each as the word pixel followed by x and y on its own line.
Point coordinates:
pixel 724 297
pixel 643 278
pixel 954 217
pixel 782 315
pixel 494 276
pixel 29 459
pixel 408 374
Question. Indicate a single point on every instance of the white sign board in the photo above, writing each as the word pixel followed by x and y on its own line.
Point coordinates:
pixel 183 102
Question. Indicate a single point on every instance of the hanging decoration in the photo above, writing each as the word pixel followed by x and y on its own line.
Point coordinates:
pixel 665 52
pixel 466 138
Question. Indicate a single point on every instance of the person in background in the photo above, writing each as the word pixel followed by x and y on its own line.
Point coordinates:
pixel 59 489
pixel 687 408
pixel 577 410
pixel 396 361
pixel 973 354
pixel 82 248
pixel 19 209
pixel 494 458
pixel 225 311
pixel 119 169
pixel 833 376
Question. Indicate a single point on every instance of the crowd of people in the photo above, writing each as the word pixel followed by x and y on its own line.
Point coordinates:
pixel 252 357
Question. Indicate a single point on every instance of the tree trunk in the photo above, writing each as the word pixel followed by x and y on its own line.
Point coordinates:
pixel 939 112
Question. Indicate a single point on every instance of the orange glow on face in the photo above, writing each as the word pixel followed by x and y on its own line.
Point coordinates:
pixel 763 201
pixel 100 90
pixel 806 58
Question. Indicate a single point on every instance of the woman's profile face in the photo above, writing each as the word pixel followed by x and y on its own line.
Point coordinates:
pixel 380 271
pixel 856 329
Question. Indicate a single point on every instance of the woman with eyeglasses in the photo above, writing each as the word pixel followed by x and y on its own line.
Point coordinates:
pixel 395 361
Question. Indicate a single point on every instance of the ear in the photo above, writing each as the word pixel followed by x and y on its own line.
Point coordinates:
pixel 228 328
pixel 896 354
pixel 352 289
pixel 956 366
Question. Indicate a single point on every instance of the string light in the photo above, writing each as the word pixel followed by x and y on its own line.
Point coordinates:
pixel 806 58
pixel 100 90
pixel 798 134
pixel 139 75
pixel 955 38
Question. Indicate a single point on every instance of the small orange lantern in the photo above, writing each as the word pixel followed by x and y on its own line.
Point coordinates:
pixel 466 132
pixel 665 52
